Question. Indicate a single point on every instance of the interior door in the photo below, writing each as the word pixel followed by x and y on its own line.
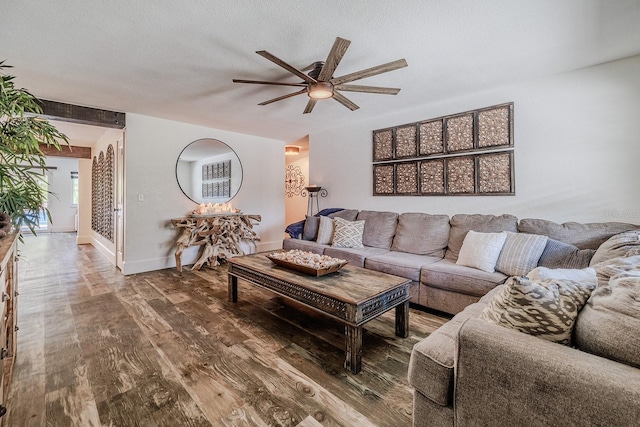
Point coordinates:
pixel 120 204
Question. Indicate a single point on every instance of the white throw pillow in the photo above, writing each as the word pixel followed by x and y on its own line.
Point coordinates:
pixel 520 253
pixel 587 275
pixel 347 234
pixel 325 231
pixel 481 250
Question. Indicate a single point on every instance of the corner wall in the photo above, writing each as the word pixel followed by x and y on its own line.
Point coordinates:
pixel 576 150
pixel 151 151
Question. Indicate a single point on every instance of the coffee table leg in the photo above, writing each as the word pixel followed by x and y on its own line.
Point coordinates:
pixel 402 320
pixel 233 288
pixel 353 360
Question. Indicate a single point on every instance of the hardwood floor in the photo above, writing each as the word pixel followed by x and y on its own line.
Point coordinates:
pixel 167 349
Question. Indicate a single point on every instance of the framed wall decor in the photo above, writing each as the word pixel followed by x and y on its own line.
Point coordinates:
pixel 461 175
pixel 469 153
pixel 459 135
pixel 495 173
pixel 432 177
pixel 431 138
pixel 382 145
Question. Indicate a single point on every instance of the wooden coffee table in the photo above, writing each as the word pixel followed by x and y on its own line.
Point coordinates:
pixel 352 295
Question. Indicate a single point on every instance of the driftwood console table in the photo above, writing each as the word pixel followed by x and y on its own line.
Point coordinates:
pixel 219 235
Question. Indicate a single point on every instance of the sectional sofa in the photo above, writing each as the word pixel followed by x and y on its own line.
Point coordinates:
pixel 425 247
pixel 470 372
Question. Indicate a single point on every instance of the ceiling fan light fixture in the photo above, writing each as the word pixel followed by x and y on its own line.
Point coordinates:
pixel 320 90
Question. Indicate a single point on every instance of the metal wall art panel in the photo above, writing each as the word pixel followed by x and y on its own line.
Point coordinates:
pixel 382 145
pixel 495 173
pixel 406 142
pixel 431 140
pixel 459 133
pixel 383 177
pixel 406 178
pixel 461 175
pixel 432 177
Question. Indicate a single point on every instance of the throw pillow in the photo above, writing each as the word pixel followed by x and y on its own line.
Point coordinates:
pixel 310 229
pixel 325 231
pixel 481 250
pixel 546 309
pixel 520 253
pixel 558 254
pixel 347 234
pixel 583 275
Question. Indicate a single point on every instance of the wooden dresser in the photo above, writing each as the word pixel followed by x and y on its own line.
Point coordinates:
pixel 8 311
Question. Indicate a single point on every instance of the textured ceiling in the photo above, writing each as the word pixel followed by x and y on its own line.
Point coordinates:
pixel 175 59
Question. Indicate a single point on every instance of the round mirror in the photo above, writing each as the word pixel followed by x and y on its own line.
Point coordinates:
pixel 209 171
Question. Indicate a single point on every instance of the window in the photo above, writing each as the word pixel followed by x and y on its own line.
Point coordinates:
pixel 74 188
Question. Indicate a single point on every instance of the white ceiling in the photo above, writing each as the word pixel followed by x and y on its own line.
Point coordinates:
pixel 176 59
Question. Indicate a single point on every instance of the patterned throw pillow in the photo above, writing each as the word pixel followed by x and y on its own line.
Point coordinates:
pixel 347 234
pixel 520 253
pixel 546 309
pixel 325 231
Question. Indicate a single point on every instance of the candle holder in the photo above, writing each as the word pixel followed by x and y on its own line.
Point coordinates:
pixel 314 192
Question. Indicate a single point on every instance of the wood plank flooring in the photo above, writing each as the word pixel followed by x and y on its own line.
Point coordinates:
pixel 96 348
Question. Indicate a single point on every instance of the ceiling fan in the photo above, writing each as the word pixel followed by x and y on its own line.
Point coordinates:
pixel 320 83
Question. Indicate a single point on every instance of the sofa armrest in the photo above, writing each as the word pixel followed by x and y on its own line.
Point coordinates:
pixel 505 377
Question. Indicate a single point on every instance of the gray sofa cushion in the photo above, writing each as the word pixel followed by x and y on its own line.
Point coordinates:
pixel 584 236
pixel 379 228
pixel 422 234
pixel 462 223
pixel 348 214
pixel 446 274
pixel 608 324
pixel 355 256
pixel 557 254
pixel 400 264
pixel 432 359
pixel 304 245
pixel 617 246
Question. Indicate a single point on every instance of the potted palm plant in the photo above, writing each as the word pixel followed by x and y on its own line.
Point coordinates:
pixel 22 162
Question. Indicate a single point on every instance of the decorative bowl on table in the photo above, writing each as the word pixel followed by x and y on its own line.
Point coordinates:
pixel 307 262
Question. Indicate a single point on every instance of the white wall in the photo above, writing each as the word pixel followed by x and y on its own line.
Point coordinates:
pixel 84 202
pixel 62 211
pixel 152 149
pixel 576 150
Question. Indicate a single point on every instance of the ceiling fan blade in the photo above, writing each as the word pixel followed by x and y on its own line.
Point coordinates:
pixel 345 101
pixel 333 59
pixel 389 66
pixel 368 89
pixel 286 66
pixel 310 105
pixel 280 98
pixel 260 82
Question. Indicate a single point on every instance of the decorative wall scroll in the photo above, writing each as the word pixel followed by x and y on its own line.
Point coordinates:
pixel 293 181
pixel 470 153
pixel 102 194
pixel 216 179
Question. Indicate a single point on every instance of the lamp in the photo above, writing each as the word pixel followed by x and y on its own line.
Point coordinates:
pixel 320 90
pixel 291 150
